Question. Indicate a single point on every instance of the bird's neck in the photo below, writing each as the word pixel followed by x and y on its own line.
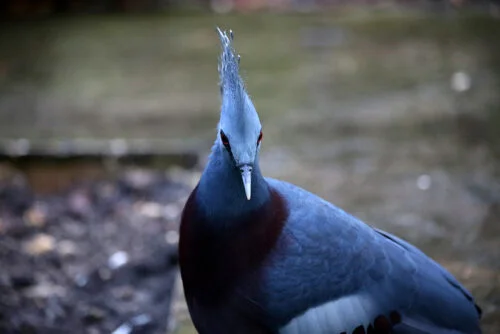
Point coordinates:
pixel 225 238
pixel 221 192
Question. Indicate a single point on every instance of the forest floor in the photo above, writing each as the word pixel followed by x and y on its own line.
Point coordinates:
pixel 99 257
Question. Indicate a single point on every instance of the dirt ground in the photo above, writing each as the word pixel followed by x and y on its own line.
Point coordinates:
pixel 97 258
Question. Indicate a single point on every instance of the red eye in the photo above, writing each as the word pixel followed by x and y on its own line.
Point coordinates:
pixel 260 138
pixel 224 139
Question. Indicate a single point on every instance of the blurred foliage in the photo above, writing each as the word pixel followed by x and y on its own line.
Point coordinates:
pixel 20 9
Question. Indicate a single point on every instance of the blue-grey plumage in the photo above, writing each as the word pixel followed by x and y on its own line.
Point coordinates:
pixel 259 255
pixel 239 122
pixel 331 256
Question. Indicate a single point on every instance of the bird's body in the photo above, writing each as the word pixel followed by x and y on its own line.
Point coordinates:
pixel 285 261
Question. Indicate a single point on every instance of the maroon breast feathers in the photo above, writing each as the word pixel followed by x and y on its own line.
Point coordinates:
pixel 215 257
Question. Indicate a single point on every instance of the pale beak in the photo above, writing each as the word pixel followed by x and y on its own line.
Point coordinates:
pixel 246 176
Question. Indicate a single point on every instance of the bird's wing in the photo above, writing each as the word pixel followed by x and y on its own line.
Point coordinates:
pixel 332 273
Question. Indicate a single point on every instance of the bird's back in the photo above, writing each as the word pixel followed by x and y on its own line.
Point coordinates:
pixel 348 274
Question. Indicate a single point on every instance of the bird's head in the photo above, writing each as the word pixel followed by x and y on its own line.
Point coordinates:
pixel 239 130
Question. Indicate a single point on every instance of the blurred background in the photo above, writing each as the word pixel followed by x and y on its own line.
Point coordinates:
pixel 389 109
